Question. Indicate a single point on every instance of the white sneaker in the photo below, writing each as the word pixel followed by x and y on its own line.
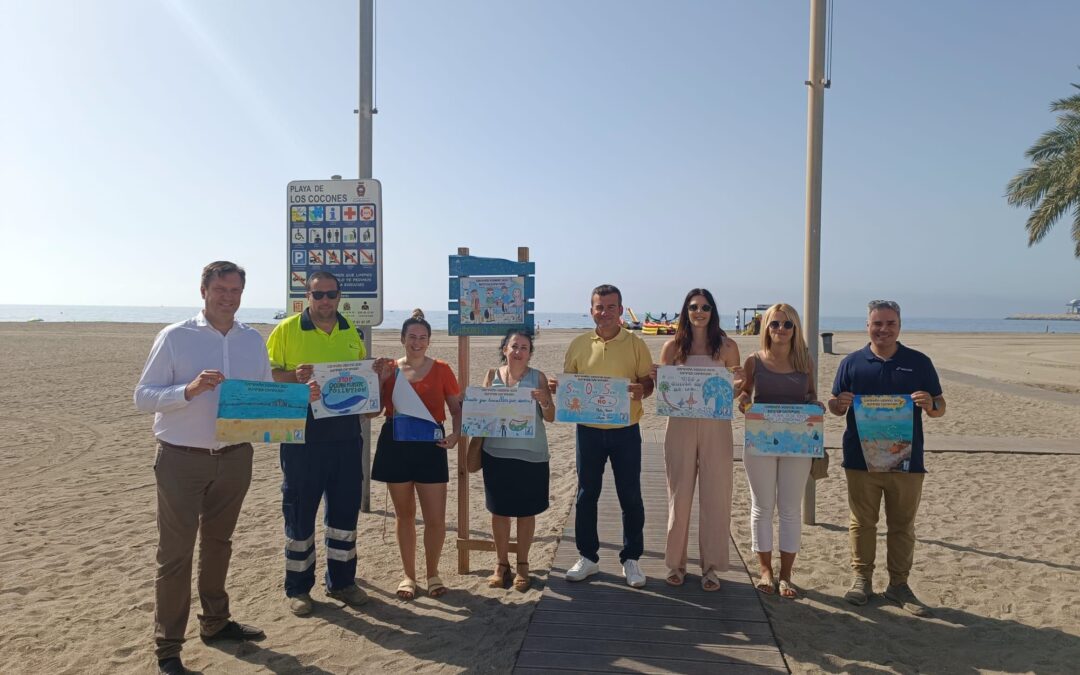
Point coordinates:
pixel 634 576
pixel 582 569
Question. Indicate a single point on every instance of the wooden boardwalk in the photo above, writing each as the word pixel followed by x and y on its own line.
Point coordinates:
pixel 602 625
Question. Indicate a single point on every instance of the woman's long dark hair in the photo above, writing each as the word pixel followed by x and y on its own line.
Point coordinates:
pixel 684 335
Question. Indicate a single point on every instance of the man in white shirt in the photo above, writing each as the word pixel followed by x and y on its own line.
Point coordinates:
pixel 201 483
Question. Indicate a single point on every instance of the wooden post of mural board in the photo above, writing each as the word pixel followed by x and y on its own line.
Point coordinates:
pixel 465 543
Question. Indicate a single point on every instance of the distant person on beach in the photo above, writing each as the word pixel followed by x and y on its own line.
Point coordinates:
pixel 414 468
pixel 610 350
pixel 780 372
pixel 884 366
pixel 516 469
pixel 201 482
pixel 698 452
pixel 328 466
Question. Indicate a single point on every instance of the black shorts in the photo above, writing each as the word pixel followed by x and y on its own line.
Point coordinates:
pixel 408 461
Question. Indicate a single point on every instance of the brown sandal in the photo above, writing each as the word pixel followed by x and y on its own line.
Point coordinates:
pixel 522 582
pixel 499 578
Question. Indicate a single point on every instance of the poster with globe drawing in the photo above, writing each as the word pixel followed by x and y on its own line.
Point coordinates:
pixel 701 392
pixel 787 430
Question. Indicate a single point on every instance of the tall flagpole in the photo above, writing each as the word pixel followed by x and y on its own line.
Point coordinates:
pixel 364 114
pixel 815 115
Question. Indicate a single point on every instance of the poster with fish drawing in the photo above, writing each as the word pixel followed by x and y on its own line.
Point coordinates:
pixel 702 392
pixel 592 399
pixel 498 412
pixel 786 430
pixel 261 412
pixel 348 388
pixel 886 426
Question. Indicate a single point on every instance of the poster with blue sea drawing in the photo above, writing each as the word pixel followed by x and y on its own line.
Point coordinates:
pixel 592 399
pixel 348 388
pixel 261 412
pixel 886 427
pixel 701 392
pixel 498 412
pixel 786 430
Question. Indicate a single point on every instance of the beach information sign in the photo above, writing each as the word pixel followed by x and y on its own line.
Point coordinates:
pixel 592 399
pixel 489 296
pixel 498 412
pixel 261 412
pixel 336 226
pixel 886 425
pixel 786 430
pixel 701 392
pixel 348 388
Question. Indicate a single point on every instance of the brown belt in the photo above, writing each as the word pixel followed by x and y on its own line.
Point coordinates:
pixel 203 451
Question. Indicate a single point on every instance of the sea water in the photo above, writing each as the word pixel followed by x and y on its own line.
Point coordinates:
pixel 392 319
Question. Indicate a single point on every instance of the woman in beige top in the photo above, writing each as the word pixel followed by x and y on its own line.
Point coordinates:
pixel 698 450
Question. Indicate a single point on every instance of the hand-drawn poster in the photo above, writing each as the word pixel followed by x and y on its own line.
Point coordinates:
pixel 498 412
pixel 261 412
pixel 787 430
pixel 497 300
pixel 886 427
pixel 348 388
pixel 592 399
pixel 694 391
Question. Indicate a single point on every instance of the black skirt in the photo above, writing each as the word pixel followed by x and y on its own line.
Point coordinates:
pixel 408 461
pixel 513 487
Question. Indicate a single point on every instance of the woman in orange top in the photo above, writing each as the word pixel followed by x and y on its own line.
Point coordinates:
pixel 415 468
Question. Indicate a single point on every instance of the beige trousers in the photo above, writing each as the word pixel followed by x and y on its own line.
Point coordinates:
pixel 196 493
pixel 698 451
pixel 902 493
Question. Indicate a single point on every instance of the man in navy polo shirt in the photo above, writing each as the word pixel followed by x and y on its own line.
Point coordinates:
pixel 884 366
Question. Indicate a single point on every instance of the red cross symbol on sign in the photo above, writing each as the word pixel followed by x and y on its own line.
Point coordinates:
pixel 350 213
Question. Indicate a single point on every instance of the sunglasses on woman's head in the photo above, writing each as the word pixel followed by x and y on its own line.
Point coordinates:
pixel 694 307
pixel 319 295
pixel 775 325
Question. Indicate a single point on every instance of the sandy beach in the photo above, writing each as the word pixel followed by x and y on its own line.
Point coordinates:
pixel 997 555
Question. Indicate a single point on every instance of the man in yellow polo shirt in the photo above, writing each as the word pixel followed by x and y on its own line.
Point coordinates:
pixel 613 351
pixel 329 462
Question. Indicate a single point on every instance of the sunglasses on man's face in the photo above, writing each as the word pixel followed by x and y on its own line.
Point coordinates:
pixel 694 307
pixel 319 295
pixel 776 325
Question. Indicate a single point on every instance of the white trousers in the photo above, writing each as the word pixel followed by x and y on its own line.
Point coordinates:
pixel 776 483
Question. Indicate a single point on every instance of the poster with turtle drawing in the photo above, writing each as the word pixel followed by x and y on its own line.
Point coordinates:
pixel 694 391
pixel 498 412
pixel 592 399
pixel 886 425
pixel 787 430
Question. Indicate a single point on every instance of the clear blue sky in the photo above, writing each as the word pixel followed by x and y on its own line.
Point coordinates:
pixel 654 146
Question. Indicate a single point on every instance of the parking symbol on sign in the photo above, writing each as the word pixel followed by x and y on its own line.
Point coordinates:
pixel 299 258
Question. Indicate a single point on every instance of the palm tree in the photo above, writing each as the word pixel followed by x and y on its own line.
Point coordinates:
pixel 1051 186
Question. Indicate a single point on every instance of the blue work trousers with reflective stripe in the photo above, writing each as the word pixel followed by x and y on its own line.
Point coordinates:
pixel 622 446
pixel 312 471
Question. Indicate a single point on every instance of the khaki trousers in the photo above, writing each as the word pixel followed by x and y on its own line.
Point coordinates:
pixel 196 493
pixel 902 492
pixel 698 453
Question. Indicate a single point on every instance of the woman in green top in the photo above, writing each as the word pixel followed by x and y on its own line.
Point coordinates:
pixel 516 469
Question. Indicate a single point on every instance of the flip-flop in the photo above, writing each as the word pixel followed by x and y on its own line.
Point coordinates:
pixel 675 578
pixel 786 588
pixel 435 587
pixel 406 590
pixel 710 582
pixel 766 585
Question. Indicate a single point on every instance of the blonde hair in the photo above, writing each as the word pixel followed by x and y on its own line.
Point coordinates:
pixel 800 355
